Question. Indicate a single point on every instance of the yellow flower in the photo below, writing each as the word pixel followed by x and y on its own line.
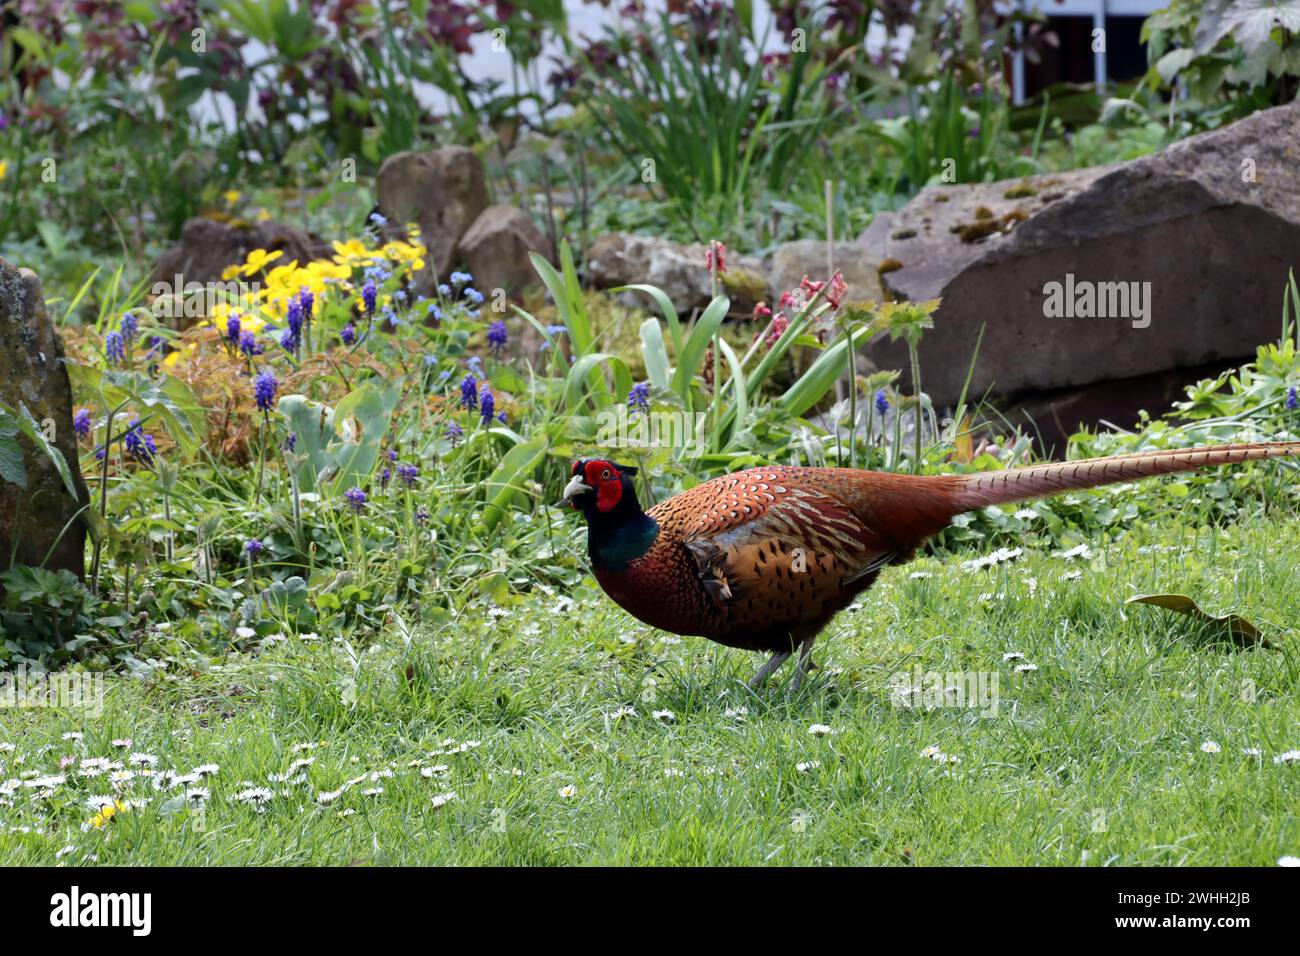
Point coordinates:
pixel 263 215
pixel 108 812
pixel 4 169
pixel 231 272
pixel 257 260
pixel 353 252
pixel 231 196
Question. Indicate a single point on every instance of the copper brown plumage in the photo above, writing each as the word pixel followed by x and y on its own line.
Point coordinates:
pixel 762 559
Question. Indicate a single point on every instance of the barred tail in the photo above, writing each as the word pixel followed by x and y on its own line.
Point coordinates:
pixel 1017 484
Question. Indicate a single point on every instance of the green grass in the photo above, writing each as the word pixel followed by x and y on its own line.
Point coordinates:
pixel 1094 758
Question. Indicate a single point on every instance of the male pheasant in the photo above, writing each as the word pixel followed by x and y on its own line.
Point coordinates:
pixel 762 559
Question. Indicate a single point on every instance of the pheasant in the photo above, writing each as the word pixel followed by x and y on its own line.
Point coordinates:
pixel 762 559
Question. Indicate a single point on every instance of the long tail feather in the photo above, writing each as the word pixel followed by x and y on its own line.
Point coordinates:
pixel 1017 484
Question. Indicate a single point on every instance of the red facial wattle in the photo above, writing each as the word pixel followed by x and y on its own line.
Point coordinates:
pixel 605 478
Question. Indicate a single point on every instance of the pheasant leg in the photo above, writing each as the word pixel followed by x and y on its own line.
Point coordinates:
pixel 803 664
pixel 775 661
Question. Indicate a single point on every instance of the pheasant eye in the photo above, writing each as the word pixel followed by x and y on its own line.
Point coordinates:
pixel 605 475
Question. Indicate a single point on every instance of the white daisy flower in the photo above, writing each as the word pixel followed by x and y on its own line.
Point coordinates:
pixel 258 796
pixel 804 766
pixel 1026 668
pixel 442 799
pixel 198 795
pixel 1013 656
pixel 206 769
pixel 139 759
pixel 1291 756
pixel 932 752
pixel 435 770
pixel 819 730
pixel 569 791
pixel 667 716
pixel 1210 747
pixel 74 735
pixel 123 743
pixel 1252 751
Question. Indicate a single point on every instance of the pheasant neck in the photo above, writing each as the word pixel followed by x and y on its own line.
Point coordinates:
pixel 621 535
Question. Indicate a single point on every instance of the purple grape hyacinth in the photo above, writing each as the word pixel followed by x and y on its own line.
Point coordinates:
pixel 356 499
pixel 264 388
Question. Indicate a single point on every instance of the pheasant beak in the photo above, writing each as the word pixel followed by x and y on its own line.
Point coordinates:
pixel 575 487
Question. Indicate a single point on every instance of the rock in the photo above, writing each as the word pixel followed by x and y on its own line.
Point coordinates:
pixel 623 259
pixel 38 520
pixel 1212 224
pixel 494 250
pixel 207 247
pixel 443 191
pixel 807 257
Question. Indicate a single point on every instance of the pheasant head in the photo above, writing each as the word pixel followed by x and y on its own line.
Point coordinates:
pixel 618 531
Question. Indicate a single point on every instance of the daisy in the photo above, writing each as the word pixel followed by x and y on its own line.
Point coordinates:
pixel 1252 751
pixel 123 743
pixel 74 735
pixel 139 759
pixel 819 730
pixel 804 766
pixel 437 769
pixel 198 795
pixel 569 791
pixel 443 799
pixel 1291 756
pixel 258 796
pixel 1210 747
pixel 932 752
pixel 667 716
pixel 206 769
pixel 1013 656
pixel 1026 668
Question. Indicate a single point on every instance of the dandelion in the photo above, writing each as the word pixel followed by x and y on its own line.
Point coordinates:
pixel 638 400
pixel 113 347
pixel 497 336
pixel 107 813
pixel 469 393
pixel 81 423
pixel 356 499
pixel 264 388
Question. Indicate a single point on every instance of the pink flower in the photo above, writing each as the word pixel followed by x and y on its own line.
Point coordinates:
pixel 835 293
pixel 761 311
pixel 715 257
pixel 809 286
pixel 779 325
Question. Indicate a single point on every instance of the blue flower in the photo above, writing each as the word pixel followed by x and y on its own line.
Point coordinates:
pixel 139 443
pixel 1292 402
pixel 469 393
pixel 455 433
pixel 248 344
pixel 290 442
pixel 408 473
pixel 356 499
pixel 81 422
pixel 435 313
pixel 129 325
pixel 461 278
pixel 253 547
pixel 497 336
pixel 289 341
pixel 444 289
pixel 882 403
pixel 474 295
pixel 233 330
pixel 638 400
pixel 264 388
pixel 308 301
pixel 369 295
pixel 379 219
pixel 487 406
pixel 422 515
pixel 113 347
pixel 385 477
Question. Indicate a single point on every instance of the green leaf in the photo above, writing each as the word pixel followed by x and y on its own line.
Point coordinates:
pixel 654 353
pixel 698 342
pixel 506 481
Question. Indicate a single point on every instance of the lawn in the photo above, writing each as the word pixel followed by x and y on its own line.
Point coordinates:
pixel 563 732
